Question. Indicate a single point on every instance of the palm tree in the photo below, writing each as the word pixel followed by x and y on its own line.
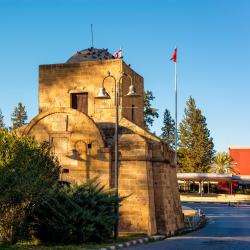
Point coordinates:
pixel 223 164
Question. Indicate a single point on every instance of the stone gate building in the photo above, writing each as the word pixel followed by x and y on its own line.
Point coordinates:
pixel 81 130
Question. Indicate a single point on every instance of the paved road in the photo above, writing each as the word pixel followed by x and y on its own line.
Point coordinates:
pixel 228 228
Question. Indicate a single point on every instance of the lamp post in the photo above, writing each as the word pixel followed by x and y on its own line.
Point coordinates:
pixel 103 94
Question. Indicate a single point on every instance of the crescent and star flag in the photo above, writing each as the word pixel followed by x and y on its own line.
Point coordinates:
pixel 118 54
pixel 174 56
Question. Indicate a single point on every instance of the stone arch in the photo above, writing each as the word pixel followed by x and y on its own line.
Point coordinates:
pixel 64 121
pixel 70 132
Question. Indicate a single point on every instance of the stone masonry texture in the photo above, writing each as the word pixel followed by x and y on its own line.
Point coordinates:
pixel 84 142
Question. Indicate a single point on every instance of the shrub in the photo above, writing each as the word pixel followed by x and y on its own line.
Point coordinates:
pixel 78 214
pixel 243 191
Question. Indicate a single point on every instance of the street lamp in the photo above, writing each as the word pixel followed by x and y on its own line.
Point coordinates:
pixel 103 94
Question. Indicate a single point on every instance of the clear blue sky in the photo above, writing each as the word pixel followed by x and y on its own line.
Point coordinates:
pixel 213 37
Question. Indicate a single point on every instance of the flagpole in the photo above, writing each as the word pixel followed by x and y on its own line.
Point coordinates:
pixel 92 36
pixel 176 133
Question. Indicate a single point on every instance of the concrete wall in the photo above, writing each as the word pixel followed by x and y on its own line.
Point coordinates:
pixel 241 158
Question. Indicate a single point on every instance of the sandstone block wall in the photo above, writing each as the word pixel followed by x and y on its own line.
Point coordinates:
pixel 167 202
pixel 77 143
pixel 58 81
pixel 137 210
pixel 84 142
pixel 137 102
pixel 149 180
pixel 136 182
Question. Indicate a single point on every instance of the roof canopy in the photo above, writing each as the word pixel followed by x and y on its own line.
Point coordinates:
pixel 211 177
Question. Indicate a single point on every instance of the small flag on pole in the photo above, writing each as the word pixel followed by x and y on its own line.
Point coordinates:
pixel 174 59
pixel 118 54
pixel 174 56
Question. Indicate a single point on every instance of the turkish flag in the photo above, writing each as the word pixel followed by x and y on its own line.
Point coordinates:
pixel 118 54
pixel 174 56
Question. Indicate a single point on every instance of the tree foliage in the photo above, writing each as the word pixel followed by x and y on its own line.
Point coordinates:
pixel 79 214
pixel 196 148
pixel 19 116
pixel 28 174
pixel 168 129
pixel 223 164
pixel 150 113
pixel 2 125
pixel 33 204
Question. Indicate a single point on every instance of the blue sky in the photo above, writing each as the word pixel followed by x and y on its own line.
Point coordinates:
pixel 213 38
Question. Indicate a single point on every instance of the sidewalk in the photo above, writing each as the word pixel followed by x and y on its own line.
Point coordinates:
pixel 215 198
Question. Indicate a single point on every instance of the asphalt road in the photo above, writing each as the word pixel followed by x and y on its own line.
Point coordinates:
pixel 228 228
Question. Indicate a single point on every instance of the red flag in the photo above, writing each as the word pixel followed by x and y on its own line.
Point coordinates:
pixel 118 54
pixel 174 56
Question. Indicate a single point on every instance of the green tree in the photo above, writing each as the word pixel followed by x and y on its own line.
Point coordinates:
pixel 2 125
pixel 168 129
pixel 28 174
pixel 196 147
pixel 223 164
pixel 150 113
pixel 19 116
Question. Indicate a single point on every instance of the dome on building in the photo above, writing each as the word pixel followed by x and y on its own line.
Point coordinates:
pixel 90 54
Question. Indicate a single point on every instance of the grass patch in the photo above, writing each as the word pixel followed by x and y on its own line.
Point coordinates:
pixel 35 245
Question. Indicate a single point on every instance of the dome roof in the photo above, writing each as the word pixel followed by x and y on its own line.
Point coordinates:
pixel 91 54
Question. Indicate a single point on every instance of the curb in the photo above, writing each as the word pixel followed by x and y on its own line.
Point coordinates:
pixel 134 242
pixel 206 202
pixel 155 237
